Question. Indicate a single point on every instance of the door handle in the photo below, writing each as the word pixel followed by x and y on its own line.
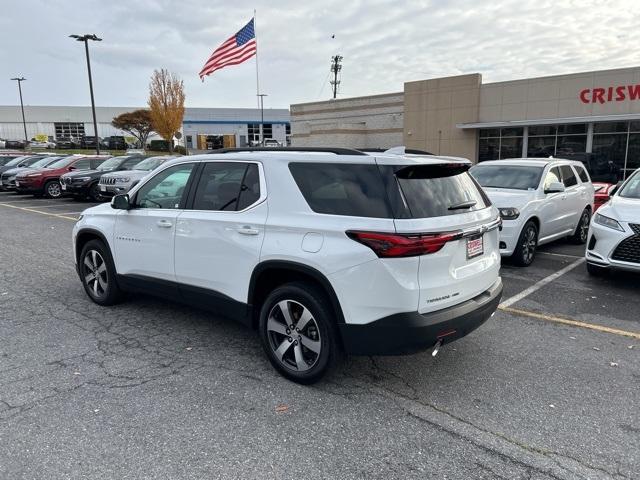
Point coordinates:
pixel 247 230
pixel 164 224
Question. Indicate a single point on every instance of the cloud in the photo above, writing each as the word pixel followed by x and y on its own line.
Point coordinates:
pixel 384 44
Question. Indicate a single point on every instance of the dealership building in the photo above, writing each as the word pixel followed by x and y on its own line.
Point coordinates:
pixel 202 128
pixel 591 116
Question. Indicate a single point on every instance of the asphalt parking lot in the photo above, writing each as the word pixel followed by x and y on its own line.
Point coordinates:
pixel 547 388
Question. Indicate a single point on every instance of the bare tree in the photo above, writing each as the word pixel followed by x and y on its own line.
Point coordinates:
pixel 166 104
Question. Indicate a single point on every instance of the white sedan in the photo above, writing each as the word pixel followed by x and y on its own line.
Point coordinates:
pixel 614 238
pixel 540 200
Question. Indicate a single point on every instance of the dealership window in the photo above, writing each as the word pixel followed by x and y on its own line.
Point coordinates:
pixel 67 130
pixel 557 140
pixel 267 130
pixel 499 143
pixel 288 133
pixel 253 129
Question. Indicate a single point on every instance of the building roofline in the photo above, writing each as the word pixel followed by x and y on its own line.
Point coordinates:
pixel 336 100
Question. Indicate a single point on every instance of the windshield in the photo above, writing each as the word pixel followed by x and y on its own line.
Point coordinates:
pixel 631 188
pixel 110 164
pixel 15 161
pixel 63 162
pixel 5 160
pixel 514 177
pixel 150 163
pixel 43 162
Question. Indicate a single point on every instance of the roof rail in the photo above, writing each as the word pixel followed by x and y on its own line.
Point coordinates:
pixel 410 151
pixel 337 151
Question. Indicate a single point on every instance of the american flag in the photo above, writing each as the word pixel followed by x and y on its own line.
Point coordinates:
pixel 237 49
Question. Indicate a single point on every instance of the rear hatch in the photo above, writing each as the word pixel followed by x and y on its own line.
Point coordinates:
pixel 438 205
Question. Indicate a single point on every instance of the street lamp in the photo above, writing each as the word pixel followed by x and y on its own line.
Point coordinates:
pixel 85 38
pixel 24 122
pixel 262 95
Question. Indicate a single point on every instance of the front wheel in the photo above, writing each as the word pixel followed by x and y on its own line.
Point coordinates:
pixel 52 189
pixel 579 237
pixel 298 332
pixel 98 274
pixel 94 193
pixel 525 251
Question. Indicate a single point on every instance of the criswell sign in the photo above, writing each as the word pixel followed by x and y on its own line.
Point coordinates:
pixel 618 93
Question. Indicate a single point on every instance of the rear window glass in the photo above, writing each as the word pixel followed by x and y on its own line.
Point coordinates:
pixel 568 177
pixel 354 190
pixel 434 193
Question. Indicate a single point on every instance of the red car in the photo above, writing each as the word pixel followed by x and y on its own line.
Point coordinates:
pixel 46 181
pixel 603 193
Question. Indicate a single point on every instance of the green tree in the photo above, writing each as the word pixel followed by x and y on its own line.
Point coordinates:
pixel 137 123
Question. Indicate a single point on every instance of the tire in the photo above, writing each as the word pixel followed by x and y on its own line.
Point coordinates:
pixel 94 193
pixel 595 270
pixel 581 234
pixel 98 274
pixel 52 189
pixel 303 356
pixel 525 251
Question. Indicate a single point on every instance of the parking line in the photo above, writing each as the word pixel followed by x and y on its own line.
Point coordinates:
pixel 537 286
pixel 559 254
pixel 573 323
pixel 38 211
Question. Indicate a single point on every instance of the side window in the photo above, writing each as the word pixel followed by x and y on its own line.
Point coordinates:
pixel 84 164
pixel 553 176
pixel 250 189
pixel 568 177
pixel 166 189
pixel 582 173
pixel 220 186
pixel 128 164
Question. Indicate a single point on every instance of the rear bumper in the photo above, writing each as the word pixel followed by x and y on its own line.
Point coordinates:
pixel 410 332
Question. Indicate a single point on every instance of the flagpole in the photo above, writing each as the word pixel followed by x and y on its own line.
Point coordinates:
pixel 255 33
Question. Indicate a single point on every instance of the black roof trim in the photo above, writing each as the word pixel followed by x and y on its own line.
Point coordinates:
pixel 410 151
pixel 337 151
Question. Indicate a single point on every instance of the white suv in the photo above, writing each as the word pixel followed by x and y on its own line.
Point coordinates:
pixel 322 251
pixel 540 200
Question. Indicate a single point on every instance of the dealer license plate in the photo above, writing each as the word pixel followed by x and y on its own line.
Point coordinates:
pixel 475 246
pixel 64 187
pixel 17 184
pixel 103 188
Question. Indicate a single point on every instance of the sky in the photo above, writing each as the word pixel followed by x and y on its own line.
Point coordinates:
pixel 384 43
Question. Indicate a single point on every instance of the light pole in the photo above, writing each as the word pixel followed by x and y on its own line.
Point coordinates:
pixel 24 122
pixel 262 95
pixel 85 38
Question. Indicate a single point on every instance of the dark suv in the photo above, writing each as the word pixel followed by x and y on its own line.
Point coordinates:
pixel 84 184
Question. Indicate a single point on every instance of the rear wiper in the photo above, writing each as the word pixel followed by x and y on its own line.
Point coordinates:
pixel 463 205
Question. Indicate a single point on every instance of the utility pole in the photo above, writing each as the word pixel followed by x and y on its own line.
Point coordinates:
pixel 24 122
pixel 336 66
pixel 85 39
pixel 262 95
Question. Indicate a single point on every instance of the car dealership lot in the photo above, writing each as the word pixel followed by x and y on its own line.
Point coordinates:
pixel 155 389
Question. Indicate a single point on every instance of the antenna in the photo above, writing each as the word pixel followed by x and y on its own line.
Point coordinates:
pixel 336 67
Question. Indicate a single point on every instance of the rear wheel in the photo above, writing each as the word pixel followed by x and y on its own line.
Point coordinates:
pixel 52 189
pixel 98 274
pixel 525 251
pixel 298 332
pixel 582 230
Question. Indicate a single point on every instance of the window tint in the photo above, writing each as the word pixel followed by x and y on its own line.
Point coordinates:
pixel 250 189
pixel 553 176
pixel 342 189
pixel 568 177
pixel 433 191
pixel 507 176
pixel 582 173
pixel 219 186
pixel 83 164
pixel 166 189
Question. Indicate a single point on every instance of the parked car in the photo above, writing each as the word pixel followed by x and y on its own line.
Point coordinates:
pixel 46 181
pixel 15 144
pixel 270 142
pixel 67 143
pixel 540 200
pixel 8 177
pixel 3 143
pixel 89 141
pixel 84 184
pixel 4 159
pixel 42 144
pixel 114 142
pixel 121 182
pixel 387 254
pixel 22 161
pixel 614 238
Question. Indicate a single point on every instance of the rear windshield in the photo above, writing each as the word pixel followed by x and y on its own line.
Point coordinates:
pixel 514 177
pixel 384 191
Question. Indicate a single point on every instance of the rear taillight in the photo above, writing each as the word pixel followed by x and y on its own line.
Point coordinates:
pixel 389 245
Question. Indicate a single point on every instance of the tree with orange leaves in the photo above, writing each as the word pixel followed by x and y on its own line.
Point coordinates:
pixel 166 104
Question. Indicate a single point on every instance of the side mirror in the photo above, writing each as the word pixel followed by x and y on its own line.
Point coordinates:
pixel 121 202
pixel 555 187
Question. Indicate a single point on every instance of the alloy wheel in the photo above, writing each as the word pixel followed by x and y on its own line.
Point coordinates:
pixel 294 336
pixel 529 243
pixel 95 273
pixel 54 190
pixel 584 226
